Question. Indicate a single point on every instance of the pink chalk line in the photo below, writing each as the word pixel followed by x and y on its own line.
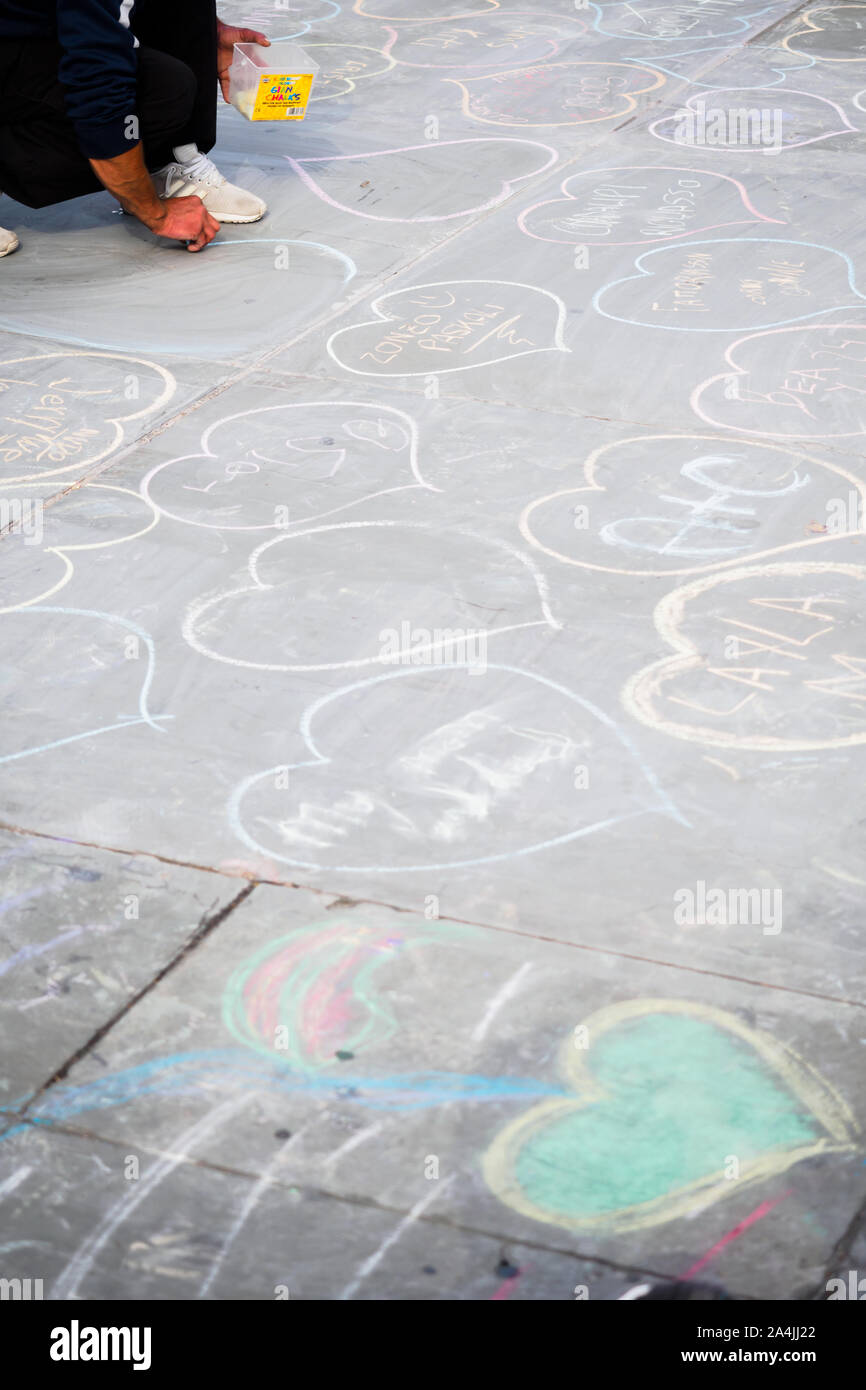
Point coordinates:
pixel 763 1210
pixel 507 1287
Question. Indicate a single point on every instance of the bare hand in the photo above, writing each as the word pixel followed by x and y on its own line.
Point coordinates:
pixel 227 36
pixel 185 219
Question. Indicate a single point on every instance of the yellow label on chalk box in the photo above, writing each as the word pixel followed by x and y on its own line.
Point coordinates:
pixel 282 97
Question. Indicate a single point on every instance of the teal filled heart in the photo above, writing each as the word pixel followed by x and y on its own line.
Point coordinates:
pixel 671 1100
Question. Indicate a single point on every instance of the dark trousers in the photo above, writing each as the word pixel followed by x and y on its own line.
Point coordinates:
pixel 40 162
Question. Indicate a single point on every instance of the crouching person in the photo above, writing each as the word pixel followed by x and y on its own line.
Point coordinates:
pixel 119 94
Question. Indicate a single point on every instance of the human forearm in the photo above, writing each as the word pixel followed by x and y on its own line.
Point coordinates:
pixel 127 178
pixel 179 219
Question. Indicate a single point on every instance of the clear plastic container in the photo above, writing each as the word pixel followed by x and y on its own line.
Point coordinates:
pixel 271 84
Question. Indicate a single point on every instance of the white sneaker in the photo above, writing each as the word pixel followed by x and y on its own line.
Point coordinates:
pixel 224 201
pixel 8 242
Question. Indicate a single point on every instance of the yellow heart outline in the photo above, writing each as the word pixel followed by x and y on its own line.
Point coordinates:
pixel 812 28
pixel 630 97
pixel 821 1099
pixel 638 695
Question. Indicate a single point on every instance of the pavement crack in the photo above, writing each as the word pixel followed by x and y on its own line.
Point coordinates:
pixel 207 924
pixel 342 900
pixel 506 1239
pixel 840 1255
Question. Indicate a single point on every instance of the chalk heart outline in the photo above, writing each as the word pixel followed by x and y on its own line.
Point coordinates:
pixel 482 7
pixel 27 566
pixel 257 16
pixel 669 66
pixel 407 422
pixel 587 174
pixel 144 716
pixel 812 28
pixel 592 486
pixel 639 692
pixel 506 186
pixel 148 328
pixel 767 242
pixel 349 83
pixel 558 344
pixel 199 615
pixel 811 97
pixel 63 552
pixel 741 24
pixel 785 1075
pixel 630 98
pixel 657 801
pixel 118 421
pixel 509 16
pixel 737 371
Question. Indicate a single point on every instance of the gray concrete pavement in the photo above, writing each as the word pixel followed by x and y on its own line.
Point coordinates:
pixel 432 819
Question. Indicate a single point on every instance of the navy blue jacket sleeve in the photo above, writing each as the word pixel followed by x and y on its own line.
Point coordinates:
pixel 98 72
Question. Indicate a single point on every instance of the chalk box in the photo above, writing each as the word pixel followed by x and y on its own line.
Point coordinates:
pixel 271 84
